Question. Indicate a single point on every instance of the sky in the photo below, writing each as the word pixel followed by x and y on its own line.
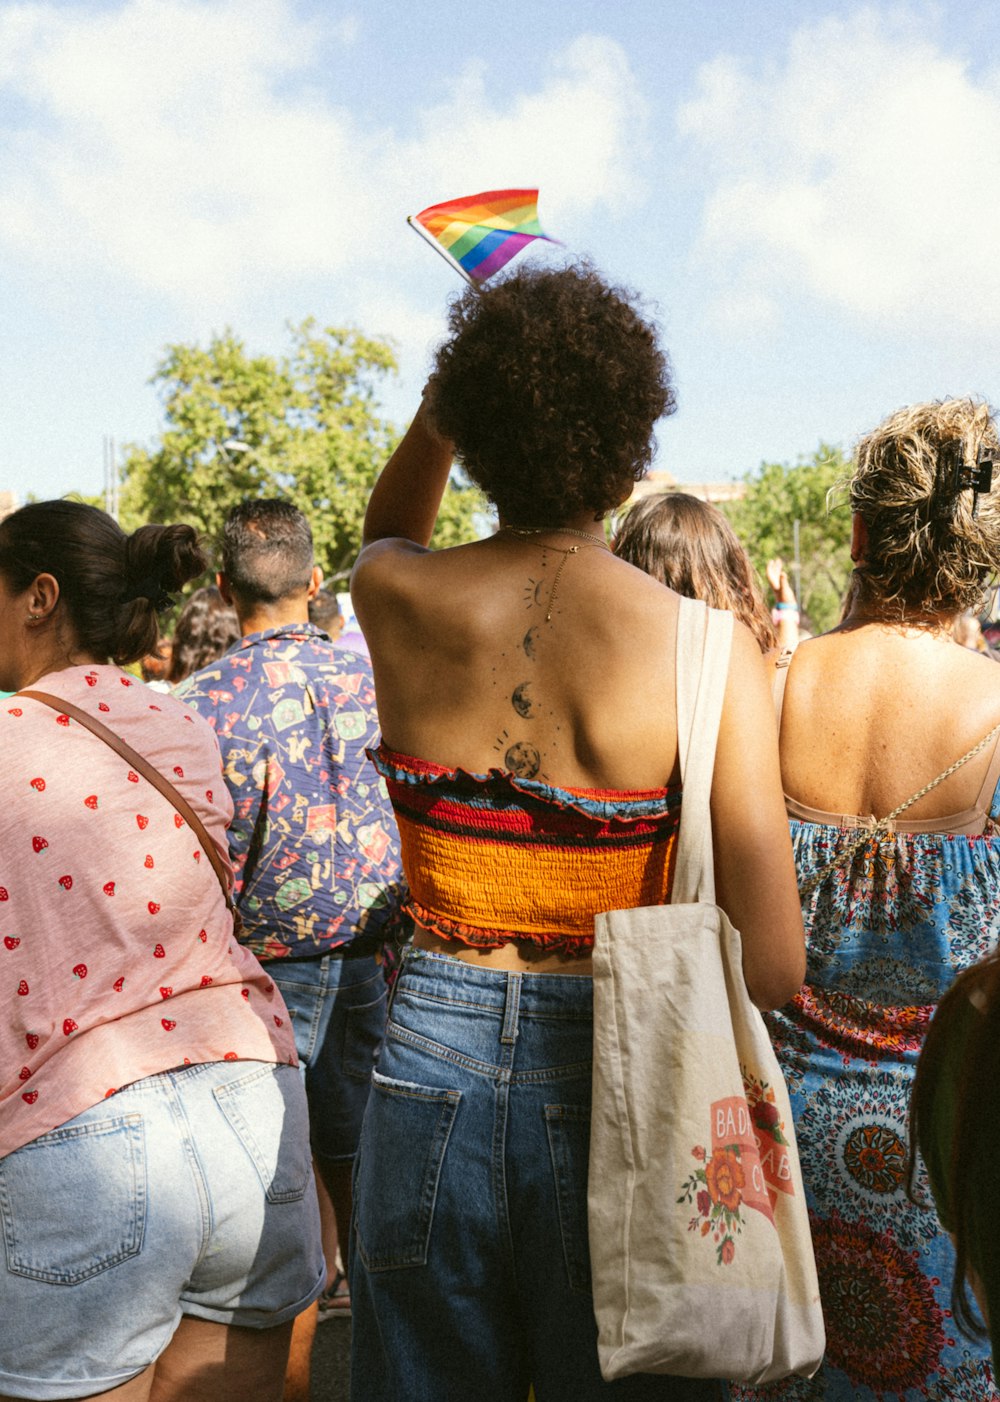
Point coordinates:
pixel 806 193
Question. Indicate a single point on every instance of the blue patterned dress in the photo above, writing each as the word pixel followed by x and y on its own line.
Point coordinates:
pixel 887 933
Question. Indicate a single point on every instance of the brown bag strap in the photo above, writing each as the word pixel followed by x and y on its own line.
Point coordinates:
pixel 148 772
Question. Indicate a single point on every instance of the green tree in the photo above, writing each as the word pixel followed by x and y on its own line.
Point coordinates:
pixel 304 426
pixel 778 495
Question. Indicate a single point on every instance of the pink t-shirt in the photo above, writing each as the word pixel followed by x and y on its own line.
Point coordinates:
pixel 117 958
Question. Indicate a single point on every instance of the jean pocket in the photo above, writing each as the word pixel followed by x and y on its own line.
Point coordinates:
pixel 364 1029
pixel 266 1110
pixel 568 1129
pixel 73 1202
pixel 399 1166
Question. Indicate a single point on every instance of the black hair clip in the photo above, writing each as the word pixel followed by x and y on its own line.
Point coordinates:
pixel 955 475
pixel 153 592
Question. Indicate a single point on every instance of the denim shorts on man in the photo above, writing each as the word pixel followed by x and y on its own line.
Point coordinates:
pixel 188 1192
pixel 337 1007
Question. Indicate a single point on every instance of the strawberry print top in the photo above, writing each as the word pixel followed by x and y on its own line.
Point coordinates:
pixel 117 958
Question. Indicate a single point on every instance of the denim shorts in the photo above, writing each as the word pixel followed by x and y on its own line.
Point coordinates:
pixel 470 1258
pixel 188 1192
pixel 337 1007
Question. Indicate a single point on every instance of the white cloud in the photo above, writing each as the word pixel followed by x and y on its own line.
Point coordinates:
pixel 195 150
pixel 580 137
pixel 864 168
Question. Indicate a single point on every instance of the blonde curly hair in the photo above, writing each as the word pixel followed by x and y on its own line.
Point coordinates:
pixel 927 553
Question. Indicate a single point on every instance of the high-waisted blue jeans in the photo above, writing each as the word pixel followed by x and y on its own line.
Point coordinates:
pixel 470 1272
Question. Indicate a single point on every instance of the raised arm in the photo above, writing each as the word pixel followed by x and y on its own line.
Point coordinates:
pixel 754 870
pixel 405 500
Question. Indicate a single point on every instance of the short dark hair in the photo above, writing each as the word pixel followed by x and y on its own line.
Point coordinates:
pixel 549 387
pixel 267 551
pixel 110 584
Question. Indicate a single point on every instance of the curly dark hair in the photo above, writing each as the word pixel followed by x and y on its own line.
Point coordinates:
pixel 549 387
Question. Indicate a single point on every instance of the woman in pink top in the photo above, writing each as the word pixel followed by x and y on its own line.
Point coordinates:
pixel 155 1184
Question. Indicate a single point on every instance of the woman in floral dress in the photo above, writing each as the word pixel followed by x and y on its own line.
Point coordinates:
pixel 873 712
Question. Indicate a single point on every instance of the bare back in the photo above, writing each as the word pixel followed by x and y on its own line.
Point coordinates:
pixel 478 665
pixel 872 714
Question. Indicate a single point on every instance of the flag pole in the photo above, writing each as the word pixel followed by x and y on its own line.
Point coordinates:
pixel 439 248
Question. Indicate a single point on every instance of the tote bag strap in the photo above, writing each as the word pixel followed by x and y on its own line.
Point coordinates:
pixel 704 643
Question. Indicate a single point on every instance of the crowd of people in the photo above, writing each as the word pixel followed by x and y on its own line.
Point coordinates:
pixel 229 1108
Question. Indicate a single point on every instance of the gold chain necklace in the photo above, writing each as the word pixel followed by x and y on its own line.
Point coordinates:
pixel 565 551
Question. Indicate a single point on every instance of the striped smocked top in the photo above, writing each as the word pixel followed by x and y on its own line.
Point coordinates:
pixel 491 858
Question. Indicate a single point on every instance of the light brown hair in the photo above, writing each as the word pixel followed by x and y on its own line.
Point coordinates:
pixel 927 554
pixel 691 547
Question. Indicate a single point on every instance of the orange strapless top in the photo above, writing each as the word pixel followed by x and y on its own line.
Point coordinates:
pixel 492 858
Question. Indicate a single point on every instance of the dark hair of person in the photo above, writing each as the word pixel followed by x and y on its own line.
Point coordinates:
pixel 206 628
pixel 691 547
pixel 111 585
pixel 267 551
pixel 549 386
pixel 932 546
pixel 324 609
pixel 969 1207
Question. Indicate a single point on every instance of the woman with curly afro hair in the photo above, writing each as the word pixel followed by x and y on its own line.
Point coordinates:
pixel 526 689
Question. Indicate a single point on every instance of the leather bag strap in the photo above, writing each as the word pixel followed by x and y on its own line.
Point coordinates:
pixel 704 644
pixel 148 772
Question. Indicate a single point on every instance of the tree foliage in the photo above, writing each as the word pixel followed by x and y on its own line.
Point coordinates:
pixel 778 495
pixel 304 426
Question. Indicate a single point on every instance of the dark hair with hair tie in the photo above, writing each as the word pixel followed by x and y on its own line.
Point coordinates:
pixel 153 591
pixel 102 573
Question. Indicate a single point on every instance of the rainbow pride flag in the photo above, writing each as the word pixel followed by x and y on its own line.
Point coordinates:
pixel 480 233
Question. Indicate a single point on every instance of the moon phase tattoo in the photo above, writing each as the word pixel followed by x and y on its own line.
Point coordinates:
pixel 523 760
pixel 533 591
pixel 522 702
pixel 530 641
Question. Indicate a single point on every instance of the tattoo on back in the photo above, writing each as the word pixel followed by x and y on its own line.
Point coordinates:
pixel 522 702
pixel 523 760
pixel 533 591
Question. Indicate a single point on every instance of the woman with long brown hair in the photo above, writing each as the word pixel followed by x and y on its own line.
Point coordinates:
pixel 689 546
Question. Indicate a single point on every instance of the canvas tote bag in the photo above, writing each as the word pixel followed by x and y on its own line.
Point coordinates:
pixel 700 1250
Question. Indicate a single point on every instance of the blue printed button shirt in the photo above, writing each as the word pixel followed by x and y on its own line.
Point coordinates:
pixel 313 840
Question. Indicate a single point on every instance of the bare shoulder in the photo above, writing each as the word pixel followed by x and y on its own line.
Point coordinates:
pixel 394 579
pixel 382 563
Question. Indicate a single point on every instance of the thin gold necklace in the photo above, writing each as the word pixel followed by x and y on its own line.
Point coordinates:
pixel 564 551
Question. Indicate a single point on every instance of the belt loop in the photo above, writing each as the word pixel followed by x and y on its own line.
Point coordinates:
pixel 509 1032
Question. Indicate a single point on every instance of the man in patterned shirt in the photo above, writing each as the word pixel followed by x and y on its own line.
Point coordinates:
pixel 313 841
